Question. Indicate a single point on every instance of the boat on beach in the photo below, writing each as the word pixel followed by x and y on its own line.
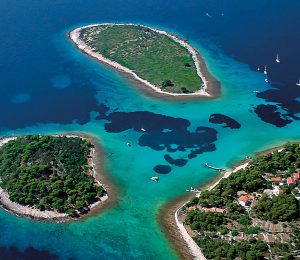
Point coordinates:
pixel 192 189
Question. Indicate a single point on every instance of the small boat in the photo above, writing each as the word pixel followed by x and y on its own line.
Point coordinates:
pixel 192 190
pixel 258 68
pixel 155 178
pixel 207 14
pixel 266 80
pixel 256 91
pixel 143 129
pixel 128 144
pixel 298 83
pixel 265 70
pixel 277 58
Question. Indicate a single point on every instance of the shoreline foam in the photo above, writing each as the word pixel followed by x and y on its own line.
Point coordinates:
pixel 207 85
pixel 47 215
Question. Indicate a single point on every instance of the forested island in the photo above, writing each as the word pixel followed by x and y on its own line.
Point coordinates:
pixel 52 174
pixel 253 213
pixel 152 57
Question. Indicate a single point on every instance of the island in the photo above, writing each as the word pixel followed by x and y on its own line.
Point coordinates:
pixel 155 59
pixel 49 177
pixel 250 213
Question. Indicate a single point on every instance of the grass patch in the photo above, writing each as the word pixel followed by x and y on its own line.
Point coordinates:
pixel 152 56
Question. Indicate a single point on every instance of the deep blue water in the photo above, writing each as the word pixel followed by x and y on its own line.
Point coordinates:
pixel 47 86
pixel 31 65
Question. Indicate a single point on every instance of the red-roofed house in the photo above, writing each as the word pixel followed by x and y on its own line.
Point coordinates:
pixel 297 176
pixel 276 179
pixel 291 181
pixel 246 200
pixel 214 210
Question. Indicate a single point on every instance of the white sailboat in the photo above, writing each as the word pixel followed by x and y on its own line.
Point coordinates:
pixel 258 69
pixel 298 83
pixel 265 71
pixel 277 58
pixel 266 80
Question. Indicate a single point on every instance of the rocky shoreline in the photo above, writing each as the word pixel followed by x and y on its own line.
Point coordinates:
pixel 53 216
pixel 172 223
pixel 210 88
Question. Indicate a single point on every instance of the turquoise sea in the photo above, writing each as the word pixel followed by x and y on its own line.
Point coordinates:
pixel 47 86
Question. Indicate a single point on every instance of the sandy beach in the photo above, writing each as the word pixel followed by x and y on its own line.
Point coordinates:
pixel 33 213
pixel 170 219
pixel 209 90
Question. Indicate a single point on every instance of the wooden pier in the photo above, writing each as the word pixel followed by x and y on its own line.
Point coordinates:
pixel 214 168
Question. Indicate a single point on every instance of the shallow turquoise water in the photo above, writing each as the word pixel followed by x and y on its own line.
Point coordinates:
pixel 62 93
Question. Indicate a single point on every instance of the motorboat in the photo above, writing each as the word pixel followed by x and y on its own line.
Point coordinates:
pixel 155 178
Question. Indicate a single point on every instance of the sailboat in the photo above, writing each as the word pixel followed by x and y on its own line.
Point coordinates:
pixel 265 71
pixel 258 69
pixel 266 80
pixel 298 83
pixel 277 58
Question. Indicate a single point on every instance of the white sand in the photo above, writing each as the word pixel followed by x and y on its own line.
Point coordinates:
pixel 74 36
pixel 228 173
pixel 194 248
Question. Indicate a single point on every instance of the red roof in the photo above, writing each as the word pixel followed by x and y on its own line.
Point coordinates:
pixel 245 198
pixel 291 180
pixel 281 191
pixel 276 179
pixel 215 210
pixel 297 175
pixel 220 210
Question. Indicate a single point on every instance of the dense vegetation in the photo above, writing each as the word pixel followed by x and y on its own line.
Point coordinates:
pixel 217 232
pixel 205 221
pixel 289 158
pixel 278 208
pixel 226 192
pixel 49 173
pixel 220 249
pixel 151 55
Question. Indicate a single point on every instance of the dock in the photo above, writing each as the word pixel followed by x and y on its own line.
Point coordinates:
pixel 214 168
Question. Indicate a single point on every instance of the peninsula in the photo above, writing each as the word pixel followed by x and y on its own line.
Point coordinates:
pixel 251 213
pixel 153 58
pixel 49 177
